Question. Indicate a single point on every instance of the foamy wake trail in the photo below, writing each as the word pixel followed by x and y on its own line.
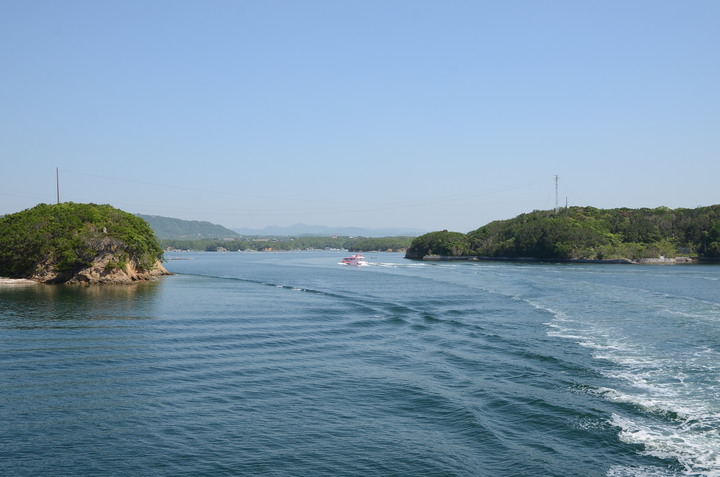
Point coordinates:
pixel 692 442
pixel 676 419
pixel 677 416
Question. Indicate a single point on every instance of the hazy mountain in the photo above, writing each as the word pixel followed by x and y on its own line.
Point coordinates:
pixel 323 230
pixel 169 228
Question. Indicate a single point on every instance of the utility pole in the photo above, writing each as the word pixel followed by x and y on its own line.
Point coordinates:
pixel 557 178
pixel 57 183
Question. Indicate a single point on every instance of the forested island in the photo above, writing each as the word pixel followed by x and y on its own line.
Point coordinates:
pixel 584 233
pixel 78 243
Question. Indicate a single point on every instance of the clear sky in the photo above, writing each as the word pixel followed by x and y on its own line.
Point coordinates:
pixel 420 114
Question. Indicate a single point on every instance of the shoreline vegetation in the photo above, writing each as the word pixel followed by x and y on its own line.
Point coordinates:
pixel 78 244
pixel 584 235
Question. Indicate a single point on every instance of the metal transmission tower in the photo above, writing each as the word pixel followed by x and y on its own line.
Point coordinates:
pixel 557 178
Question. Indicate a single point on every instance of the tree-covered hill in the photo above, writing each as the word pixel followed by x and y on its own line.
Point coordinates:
pixel 585 233
pixel 63 242
pixel 178 229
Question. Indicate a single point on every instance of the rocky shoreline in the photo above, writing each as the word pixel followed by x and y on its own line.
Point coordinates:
pixel 624 261
pixel 17 281
pixel 102 272
pixel 97 273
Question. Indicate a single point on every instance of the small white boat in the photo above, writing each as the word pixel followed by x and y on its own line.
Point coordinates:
pixel 356 260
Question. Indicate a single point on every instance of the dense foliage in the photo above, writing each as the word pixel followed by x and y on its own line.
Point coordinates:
pixel 70 236
pixel 169 228
pixel 354 244
pixel 451 244
pixel 585 233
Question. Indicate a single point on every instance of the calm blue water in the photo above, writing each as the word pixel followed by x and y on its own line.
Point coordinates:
pixel 288 364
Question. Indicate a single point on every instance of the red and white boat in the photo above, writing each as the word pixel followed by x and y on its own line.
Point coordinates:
pixel 356 260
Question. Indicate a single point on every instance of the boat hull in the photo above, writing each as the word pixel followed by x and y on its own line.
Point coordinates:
pixel 354 261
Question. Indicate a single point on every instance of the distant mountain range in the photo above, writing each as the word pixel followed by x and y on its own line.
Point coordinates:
pixel 178 229
pixel 323 230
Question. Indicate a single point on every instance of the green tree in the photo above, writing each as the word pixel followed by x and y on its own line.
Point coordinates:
pixel 442 243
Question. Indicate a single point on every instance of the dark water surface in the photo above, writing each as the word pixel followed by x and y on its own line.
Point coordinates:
pixel 289 364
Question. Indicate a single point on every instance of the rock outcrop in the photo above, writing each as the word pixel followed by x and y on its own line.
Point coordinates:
pixel 111 264
pixel 102 270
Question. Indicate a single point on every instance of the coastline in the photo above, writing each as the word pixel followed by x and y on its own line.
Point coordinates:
pixel 616 261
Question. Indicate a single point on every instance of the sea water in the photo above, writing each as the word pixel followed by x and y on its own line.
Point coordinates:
pixel 290 364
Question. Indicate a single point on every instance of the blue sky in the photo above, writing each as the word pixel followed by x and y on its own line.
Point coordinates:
pixel 417 114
